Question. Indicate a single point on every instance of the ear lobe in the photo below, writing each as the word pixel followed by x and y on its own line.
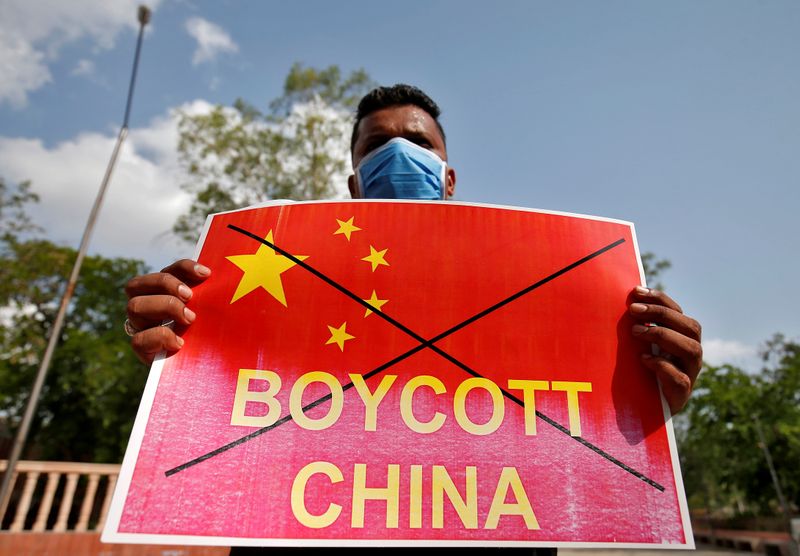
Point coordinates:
pixel 450 188
pixel 351 185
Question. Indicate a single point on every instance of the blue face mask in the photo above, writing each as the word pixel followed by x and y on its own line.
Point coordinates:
pixel 399 169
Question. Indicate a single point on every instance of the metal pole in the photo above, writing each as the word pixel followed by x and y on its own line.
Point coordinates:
pixel 762 442
pixel 55 333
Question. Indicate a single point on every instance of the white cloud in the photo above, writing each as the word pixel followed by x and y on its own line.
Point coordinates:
pixel 33 33
pixel 143 199
pixel 211 40
pixel 717 351
pixel 83 67
pixel 23 70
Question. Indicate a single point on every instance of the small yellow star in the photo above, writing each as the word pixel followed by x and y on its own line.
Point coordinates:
pixel 375 303
pixel 339 335
pixel 376 258
pixel 262 269
pixel 346 228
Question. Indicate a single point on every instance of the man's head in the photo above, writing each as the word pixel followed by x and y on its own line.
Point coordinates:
pixel 399 111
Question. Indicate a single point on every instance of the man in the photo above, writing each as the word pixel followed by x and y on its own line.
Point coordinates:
pixel 398 150
pixel 388 113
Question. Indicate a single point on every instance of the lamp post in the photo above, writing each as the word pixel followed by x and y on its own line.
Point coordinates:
pixel 143 15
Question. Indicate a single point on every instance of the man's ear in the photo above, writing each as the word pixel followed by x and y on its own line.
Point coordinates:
pixel 450 188
pixel 351 185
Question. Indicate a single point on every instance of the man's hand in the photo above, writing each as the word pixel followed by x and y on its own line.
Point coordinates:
pixel 154 298
pixel 680 355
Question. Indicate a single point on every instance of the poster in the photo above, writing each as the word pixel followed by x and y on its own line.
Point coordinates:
pixel 406 373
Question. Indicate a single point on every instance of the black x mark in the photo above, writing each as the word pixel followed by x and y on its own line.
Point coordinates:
pixel 423 343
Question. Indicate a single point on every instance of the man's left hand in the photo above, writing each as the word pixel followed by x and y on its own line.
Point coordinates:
pixel 680 356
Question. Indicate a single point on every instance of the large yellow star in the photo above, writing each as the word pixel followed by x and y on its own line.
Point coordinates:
pixel 263 268
pixel 346 228
pixel 375 303
pixel 339 335
pixel 376 258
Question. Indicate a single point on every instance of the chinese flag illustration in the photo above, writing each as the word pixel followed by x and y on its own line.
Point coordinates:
pixel 405 373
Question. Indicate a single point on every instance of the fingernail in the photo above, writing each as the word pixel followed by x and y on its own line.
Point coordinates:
pixel 639 329
pixel 638 307
pixel 642 290
pixel 184 292
pixel 180 341
pixel 189 314
pixel 202 270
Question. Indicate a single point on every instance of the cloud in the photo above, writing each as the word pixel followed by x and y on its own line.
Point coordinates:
pixel 83 67
pixel 719 352
pixel 32 35
pixel 143 199
pixel 211 40
pixel 23 70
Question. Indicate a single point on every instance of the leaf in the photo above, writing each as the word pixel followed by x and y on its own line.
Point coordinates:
pixel 238 156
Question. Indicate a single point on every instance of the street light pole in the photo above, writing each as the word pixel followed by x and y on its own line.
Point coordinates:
pixel 22 433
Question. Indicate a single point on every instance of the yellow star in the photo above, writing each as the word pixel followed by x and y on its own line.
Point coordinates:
pixel 376 258
pixel 262 268
pixel 375 303
pixel 346 228
pixel 339 335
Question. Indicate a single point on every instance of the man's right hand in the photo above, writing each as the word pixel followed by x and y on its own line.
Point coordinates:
pixel 154 298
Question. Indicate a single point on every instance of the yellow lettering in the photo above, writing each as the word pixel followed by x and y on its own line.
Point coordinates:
pixel 362 493
pixel 466 510
pixel 529 388
pixel 510 478
pixel 415 498
pixel 296 401
pixel 299 495
pixel 406 402
pixel 372 399
pixel 244 395
pixel 460 402
pixel 572 389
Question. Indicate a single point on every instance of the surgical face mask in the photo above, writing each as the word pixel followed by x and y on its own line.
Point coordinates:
pixel 399 169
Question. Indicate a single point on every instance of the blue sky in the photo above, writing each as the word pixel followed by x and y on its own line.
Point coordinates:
pixel 681 116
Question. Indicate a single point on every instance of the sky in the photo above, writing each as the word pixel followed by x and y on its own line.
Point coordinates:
pixel 682 117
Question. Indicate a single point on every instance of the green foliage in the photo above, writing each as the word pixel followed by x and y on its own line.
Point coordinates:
pixel 13 218
pixel 653 269
pixel 238 156
pixel 94 384
pixel 302 85
pixel 723 464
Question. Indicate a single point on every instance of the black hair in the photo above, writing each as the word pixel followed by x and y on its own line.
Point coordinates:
pixel 396 95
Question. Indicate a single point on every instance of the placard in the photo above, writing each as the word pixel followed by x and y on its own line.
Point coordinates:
pixel 406 373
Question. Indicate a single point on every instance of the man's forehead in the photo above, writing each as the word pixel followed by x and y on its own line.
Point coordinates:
pixel 397 120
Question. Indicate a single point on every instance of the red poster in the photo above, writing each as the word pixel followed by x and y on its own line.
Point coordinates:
pixel 406 373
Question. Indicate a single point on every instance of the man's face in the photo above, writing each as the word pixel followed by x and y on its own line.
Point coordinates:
pixel 409 122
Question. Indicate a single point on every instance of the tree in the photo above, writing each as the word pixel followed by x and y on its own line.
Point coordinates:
pixel 723 465
pixel 779 411
pixel 653 268
pixel 238 156
pixel 92 391
pixel 716 429
pixel 13 218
